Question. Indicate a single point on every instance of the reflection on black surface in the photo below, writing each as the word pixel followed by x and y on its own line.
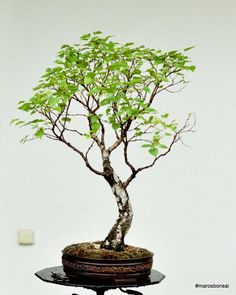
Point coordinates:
pixel 56 275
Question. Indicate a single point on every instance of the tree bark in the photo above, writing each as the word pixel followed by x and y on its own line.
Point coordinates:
pixel 115 238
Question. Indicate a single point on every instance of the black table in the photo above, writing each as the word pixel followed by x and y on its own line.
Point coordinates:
pixel 56 275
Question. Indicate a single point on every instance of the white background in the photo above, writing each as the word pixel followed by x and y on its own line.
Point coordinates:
pixel 184 207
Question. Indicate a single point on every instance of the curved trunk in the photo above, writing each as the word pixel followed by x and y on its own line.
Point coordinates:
pixel 115 238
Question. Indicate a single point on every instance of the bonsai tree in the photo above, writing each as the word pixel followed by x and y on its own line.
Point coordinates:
pixel 102 96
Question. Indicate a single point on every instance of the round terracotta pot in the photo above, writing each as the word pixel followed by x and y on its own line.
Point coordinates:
pixel 107 269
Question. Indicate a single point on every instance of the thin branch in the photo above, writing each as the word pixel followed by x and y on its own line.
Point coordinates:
pixel 171 85
pixel 53 122
pixel 79 115
pixel 174 140
pixel 126 143
pixel 62 139
pixel 154 92
pixel 82 155
pixel 122 136
pixel 50 136
pixel 174 91
pixel 76 98
pixel 90 147
pixel 74 130
pixel 177 136
pixel 66 116
pixel 94 136
pixel 139 139
pixel 115 145
pixel 102 132
pixel 94 98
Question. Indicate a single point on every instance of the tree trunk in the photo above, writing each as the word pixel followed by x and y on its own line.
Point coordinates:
pixel 115 238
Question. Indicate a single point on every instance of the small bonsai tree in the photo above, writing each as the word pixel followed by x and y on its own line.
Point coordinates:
pixel 104 93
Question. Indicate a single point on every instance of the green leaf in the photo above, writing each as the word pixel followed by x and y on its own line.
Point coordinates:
pixel 139 133
pixel 108 110
pixel 151 110
pixel 159 60
pixel 146 89
pixel 129 44
pixel 146 145
pixel 95 127
pixel 115 126
pixel 59 61
pixel 25 107
pixel 93 118
pixel 173 127
pixel 105 102
pixel 52 101
pixel 85 37
pixel 153 152
pixel 38 87
pixel 165 115
pixel 66 119
pixel 58 109
pixel 88 79
pixel 39 133
pixel 118 65
pixel 14 121
pixel 164 79
pixel 162 146
pixel 95 90
pixel 87 136
pixel 97 32
pixel 192 68
pixel 19 123
pixel 137 71
pixel 188 48
pixel 36 121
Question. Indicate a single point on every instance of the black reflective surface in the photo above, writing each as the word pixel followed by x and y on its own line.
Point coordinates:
pixel 56 275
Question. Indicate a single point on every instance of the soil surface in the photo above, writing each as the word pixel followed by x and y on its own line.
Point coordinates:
pixel 92 250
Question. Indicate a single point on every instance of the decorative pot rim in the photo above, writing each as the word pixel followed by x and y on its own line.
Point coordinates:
pixel 107 259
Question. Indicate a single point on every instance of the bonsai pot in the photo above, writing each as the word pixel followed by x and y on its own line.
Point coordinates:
pixel 94 263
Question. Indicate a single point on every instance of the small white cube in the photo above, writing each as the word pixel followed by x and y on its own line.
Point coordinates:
pixel 25 237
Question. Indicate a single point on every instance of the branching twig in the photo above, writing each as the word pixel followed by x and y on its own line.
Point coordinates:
pixel 177 136
pixel 82 155
pixel 88 150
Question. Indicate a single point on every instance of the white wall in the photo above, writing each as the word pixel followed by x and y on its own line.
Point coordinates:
pixel 184 207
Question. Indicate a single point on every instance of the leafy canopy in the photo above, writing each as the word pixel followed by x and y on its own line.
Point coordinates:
pixel 110 85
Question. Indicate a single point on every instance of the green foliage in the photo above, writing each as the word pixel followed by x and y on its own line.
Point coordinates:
pixel 39 133
pixel 113 85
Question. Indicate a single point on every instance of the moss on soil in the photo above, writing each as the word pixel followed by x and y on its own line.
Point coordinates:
pixel 92 250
